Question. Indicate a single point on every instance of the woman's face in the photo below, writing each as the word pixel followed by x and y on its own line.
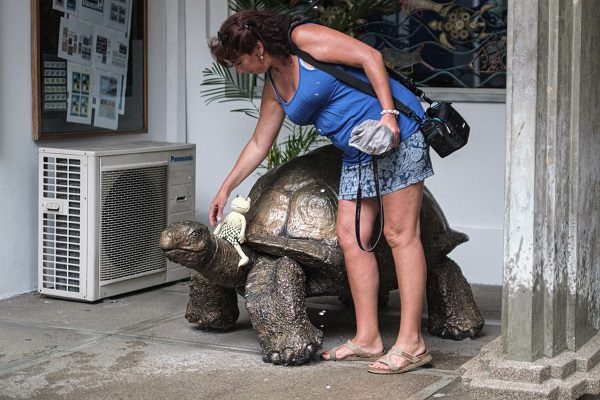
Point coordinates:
pixel 250 63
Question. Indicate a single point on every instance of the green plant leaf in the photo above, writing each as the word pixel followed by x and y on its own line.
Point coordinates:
pixel 251 112
pixel 300 140
pixel 225 86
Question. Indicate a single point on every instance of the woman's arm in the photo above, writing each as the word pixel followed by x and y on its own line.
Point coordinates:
pixel 267 128
pixel 328 45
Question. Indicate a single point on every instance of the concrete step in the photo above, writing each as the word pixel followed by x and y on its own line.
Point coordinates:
pixel 572 388
pixel 569 375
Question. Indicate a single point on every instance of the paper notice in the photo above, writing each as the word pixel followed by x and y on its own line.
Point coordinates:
pixel 108 93
pixel 79 81
pixel 92 11
pixel 66 6
pixel 111 50
pixel 54 83
pixel 75 41
pixel 118 15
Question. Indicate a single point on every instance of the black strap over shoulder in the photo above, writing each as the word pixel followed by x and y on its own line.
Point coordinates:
pixel 352 80
pixel 407 82
pixel 344 76
pixel 294 24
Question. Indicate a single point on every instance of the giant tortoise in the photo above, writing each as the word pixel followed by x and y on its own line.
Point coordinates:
pixel 293 251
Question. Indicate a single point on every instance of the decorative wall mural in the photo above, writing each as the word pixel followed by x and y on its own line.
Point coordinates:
pixel 461 43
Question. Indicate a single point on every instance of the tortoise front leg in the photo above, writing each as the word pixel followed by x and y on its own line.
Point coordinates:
pixel 211 305
pixel 275 300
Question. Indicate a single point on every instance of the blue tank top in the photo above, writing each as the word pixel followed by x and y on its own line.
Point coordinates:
pixel 335 108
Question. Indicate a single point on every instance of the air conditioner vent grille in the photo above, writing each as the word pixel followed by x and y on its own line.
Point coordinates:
pixel 134 213
pixel 61 234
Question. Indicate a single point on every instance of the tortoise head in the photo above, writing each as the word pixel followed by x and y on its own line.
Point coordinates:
pixel 188 243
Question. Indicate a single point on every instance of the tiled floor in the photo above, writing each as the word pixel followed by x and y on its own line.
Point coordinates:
pixel 139 346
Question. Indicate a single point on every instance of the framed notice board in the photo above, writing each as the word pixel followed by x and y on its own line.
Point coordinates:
pixel 89 67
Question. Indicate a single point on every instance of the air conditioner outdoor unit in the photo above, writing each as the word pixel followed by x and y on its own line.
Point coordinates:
pixel 101 212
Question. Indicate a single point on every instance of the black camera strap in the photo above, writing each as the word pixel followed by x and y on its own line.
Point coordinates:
pixel 358 206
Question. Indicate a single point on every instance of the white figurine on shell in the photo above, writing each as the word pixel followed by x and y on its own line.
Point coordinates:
pixel 233 226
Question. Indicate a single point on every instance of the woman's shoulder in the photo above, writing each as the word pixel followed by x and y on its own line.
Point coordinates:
pixel 303 28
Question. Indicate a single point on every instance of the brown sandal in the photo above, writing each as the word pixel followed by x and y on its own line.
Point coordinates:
pixel 359 354
pixel 393 368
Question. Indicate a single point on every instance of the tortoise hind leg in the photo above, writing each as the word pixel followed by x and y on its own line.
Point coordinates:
pixel 211 305
pixel 451 307
pixel 275 302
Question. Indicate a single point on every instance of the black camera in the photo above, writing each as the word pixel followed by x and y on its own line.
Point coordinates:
pixel 445 129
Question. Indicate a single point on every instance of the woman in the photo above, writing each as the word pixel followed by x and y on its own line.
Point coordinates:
pixel 257 43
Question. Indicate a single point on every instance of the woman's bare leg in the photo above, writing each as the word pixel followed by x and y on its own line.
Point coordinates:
pixel 402 233
pixel 363 275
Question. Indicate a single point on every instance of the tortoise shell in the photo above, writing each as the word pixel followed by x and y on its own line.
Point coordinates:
pixel 294 210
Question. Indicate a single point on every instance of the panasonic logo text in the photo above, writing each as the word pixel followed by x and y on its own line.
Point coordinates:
pixel 181 158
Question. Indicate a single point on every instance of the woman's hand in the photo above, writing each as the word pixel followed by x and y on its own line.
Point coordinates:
pixel 215 211
pixel 391 121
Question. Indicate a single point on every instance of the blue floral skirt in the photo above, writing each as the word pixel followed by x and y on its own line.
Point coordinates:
pixel 400 167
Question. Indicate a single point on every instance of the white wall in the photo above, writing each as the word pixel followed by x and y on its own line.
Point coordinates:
pixel 18 162
pixel 468 185
pixel 218 133
pixel 18 152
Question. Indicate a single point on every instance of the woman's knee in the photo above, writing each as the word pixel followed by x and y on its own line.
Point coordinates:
pixel 401 236
pixel 346 237
pixel 346 223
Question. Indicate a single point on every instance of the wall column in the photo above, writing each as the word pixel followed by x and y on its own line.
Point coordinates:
pixel 551 283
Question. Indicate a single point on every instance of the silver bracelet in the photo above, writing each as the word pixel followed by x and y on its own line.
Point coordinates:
pixel 390 111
